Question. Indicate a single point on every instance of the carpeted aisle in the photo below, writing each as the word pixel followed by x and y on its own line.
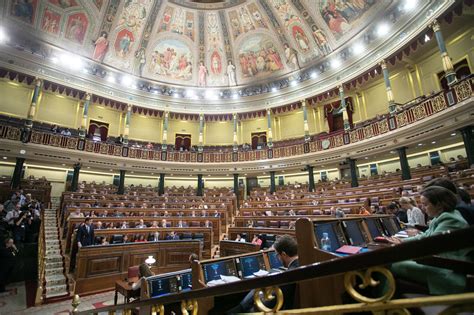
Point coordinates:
pixel 14 301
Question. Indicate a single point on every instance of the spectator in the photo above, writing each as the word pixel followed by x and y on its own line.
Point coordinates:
pixel 143 272
pixel 239 239
pixel 257 240
pixel 414 214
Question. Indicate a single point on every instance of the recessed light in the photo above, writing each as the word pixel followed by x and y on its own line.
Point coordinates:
pixel 293 83
pixel 366 158
pixel 427 38
pixel 314 75
pixel 409 5
pixel 111 170
pixel 420 144
pixel 336 63
pixel 383 29
pixel 5 158
pixel 63 164
pixel 274 89
pixel 358 48
pixel 111 79
pixel 453 134
pixel 152 173
pixel 433 142
pixel 88 167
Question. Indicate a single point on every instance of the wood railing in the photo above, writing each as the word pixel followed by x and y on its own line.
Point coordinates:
pixel 430 106
pixel 446 242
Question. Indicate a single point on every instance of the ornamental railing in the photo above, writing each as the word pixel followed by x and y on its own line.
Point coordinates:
pixel 423 109
pixel 362 266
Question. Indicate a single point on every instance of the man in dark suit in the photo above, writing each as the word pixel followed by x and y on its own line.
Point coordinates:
pixel 85 233
pixel 287 252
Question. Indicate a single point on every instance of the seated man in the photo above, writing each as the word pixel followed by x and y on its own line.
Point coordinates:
pixel 287 252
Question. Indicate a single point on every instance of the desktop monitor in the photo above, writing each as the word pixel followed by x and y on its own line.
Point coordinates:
pixel 354 233
pixel 374 226
pixel 251 264
pixel 390 226
pixel 160 285
pixel 214 270
pixel 275 263
pixel 334 233
pixel 186 281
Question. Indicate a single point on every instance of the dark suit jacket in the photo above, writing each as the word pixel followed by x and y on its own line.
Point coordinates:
pixel 86 239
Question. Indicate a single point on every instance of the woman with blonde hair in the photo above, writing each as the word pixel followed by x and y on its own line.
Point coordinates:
pixel 414 214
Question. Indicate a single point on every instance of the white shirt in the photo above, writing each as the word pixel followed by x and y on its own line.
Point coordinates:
pixel 415 216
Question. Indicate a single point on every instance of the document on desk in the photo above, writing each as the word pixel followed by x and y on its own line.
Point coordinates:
pixel 402 234
pixel 229 279
pixel 261 273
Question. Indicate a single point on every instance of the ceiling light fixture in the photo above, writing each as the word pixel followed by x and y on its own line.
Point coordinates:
pixel 358 48
pixel 314 75
pixel 111 79
pixel 235 96
pixel 3 35
pixel 336 63
pixel 293 83
pixel 410 5
pixel 453 134
pixel 433 142
pixel 127 81
pixel 383 29
pixel 427 38
pixel 274 89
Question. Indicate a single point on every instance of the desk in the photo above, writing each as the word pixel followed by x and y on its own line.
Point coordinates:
pixel 123 287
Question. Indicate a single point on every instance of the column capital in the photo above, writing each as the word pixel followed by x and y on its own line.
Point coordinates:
pixel 234 115
pixel 269 111
pixel 201 116
pixel 303 102
pixel 435 26
pixel 167 113
pixel 129 107
pixel 88 96
pixel 38 82
pixel 383 64
pixel 341 88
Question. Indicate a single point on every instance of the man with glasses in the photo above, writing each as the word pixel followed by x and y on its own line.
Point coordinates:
pixel 287 252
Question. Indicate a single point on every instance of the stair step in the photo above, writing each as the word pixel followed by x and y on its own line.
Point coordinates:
pixel 52 265
pixel 57 290
pixel 54 259
pixel 54 271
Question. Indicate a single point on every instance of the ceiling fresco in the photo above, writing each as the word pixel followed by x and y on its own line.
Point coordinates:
pixel 175 42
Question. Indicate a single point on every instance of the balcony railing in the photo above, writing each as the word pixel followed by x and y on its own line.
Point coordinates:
pixel 425 108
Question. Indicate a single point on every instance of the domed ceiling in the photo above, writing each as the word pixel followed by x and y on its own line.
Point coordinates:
pixel 183 42
pixel 237 47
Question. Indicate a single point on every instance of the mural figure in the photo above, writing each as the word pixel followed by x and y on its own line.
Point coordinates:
pixel 321 40
pixel 101 46
pixel 300 38
pixel 65 4
pixel 258 56
pixel 202 74
pixel 140 60
pixel 171 58
pixel 98 4
pixel 291 57
pixel 50 23
pixel 24 10
pixel 340 15
pixel 76 27
pixel 123 43
pixel 231 74
pixel 216 63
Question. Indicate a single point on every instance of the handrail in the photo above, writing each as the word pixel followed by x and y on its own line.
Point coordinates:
pixel 446 242
pixel 41 262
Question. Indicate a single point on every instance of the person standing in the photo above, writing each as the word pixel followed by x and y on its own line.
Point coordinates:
pixel 7 257
pixel 85 233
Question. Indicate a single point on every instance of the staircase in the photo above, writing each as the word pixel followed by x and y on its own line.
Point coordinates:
pixel 55 280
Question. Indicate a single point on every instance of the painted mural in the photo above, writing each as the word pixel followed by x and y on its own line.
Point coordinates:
pixel 340 16
pixel 171 59
pixel 245 19
pixel 24 10
pixel 64 4
pixel 258 56
pixel 76 27
pixel 51 22
pixel 98 3
pixel 126 32
pixel 215 50
pixel 179 21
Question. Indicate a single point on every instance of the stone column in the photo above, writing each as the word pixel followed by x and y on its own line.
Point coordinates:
pixel 311 186
pixel 75 177
pixel 235 141
pixel 199 186
pixel 353 169
pixel 201 130
pixel 388 87
pixel 468 143
pixel 85 113
pixel 236 189
pixel 34 102
pixel 305 121
pixel 269 125
pixel 272 182
pixel 447 64
pixel 16 178
pixel 121 187
pixel 161 184
pixel 402 154
pixel 345 116
pixel 126 130
pixel 164 138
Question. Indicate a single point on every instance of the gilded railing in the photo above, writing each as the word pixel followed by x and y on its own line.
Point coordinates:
pixel 41 262
pixel 361 266
pixel 425 108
